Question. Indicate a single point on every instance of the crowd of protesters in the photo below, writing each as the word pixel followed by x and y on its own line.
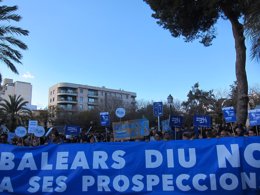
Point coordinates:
pixel 92 137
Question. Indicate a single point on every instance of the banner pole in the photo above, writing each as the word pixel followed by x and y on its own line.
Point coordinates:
pixel 256 127
pixel 159 129
pixel 233 129
pixel 106 133
pixel 89 130
pixel 174 133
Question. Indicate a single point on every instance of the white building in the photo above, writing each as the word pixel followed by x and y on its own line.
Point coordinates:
pixel 17 88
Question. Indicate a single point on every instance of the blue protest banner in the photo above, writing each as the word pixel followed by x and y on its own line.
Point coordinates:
pixel 254 117
pixel 72 130
pixel 104 119
pixel 157 109
pixel 202 121
pixel 199 167
pixel 131 129
pixel 229 114
pixel 176 121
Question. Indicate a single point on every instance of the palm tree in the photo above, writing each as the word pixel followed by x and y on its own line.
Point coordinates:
pixel 14 110
pixel 9 54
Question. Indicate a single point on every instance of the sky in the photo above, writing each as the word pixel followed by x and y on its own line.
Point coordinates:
pixel 117 44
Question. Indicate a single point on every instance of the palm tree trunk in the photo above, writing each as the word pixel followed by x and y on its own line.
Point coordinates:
pixel 242 84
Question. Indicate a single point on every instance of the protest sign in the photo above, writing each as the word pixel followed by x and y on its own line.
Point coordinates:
pixel 166 125
pixel 131 129
pixel 20 131
pixel 39 131
pixel 254 117
pixel 229 114
pixel 104 119
pixel 176 121
pixel 72 130
pixel 33 124
pixel 202 121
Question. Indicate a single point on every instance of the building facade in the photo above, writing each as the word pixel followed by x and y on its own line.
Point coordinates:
pixel 77 97
pixel 17 88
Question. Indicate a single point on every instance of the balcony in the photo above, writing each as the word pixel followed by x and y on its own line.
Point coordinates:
pixel 67 107
pixel 92 93
pixel 67 92
pixel 93 103
pixel 67 101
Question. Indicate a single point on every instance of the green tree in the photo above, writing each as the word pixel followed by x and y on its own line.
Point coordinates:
pixel 254 93
pixel 195 19
pixel 8 43
pixel 14 111
pixel 199 102
pixel 41 116
pixel 233 94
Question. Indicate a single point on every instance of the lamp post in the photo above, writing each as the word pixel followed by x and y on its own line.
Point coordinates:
pixel 170 102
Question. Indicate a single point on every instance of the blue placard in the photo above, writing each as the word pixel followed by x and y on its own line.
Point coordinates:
pixel 176 121
pixel 157 109
pixel 131 129
pixel 166 125
pixel 202 121
pixel 199 167
pixel 72 130
pixel 229 114
pixel 104 119
pixel 254 117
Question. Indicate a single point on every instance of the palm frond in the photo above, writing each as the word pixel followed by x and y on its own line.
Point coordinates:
pixel 13 30
pixel 8 55
pixel 9 64
pixel 13 51
pixel 6 13
pixel 252 27
pixel 16 42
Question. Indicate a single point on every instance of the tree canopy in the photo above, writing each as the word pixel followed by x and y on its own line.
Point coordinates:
pixel 196 19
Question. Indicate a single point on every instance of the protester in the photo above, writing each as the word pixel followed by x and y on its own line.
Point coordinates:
pixel 224 133
pixel 3 138
pixel 251 132
pixel 56 137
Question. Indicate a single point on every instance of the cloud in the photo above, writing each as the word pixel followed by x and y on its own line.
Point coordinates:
pixel 27 75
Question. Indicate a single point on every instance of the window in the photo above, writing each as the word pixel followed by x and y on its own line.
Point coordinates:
pixel 91 100
pixel 91 107
pixel 92 92
pixel 80 107
pixel 69 106
pixel 81 99
pixel 81 90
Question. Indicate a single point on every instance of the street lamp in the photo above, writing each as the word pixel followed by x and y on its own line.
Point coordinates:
pixel 170 102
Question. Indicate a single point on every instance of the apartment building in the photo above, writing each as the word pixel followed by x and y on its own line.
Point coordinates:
pixel 17 88
pixel 77 97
